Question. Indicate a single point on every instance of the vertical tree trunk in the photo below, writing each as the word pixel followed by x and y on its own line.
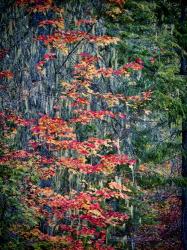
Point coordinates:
pixel 184 140
pixel 184 191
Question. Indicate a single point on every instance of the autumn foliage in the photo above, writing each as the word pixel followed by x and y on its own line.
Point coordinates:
pixel 76 190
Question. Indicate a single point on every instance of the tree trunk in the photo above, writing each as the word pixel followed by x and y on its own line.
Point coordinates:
pixel 184 191
pixel 184 142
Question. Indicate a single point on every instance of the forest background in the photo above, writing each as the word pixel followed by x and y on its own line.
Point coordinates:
pixel 93 124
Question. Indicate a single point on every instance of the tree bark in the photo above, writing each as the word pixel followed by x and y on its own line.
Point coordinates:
pixel 184 141
pixel 184 191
